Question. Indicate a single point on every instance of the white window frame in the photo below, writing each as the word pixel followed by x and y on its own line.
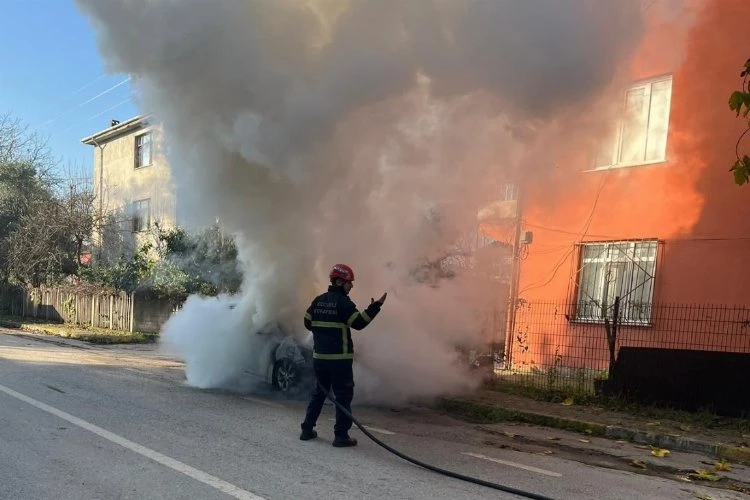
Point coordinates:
pixel 617 143
pixel 138 226
pixel 509 192
pixel 139 163
pixel 593 304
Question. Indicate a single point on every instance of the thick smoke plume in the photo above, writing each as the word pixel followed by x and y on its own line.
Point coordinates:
pixel 368 132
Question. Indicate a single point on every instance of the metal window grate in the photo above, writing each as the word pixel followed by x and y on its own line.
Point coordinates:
pixel 624 269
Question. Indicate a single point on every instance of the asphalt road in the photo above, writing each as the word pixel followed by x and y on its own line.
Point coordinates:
pixel 119 423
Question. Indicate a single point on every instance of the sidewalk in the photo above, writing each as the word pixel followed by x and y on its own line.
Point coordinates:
pixel 725 441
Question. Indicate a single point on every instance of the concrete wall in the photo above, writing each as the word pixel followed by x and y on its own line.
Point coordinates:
pixel 150 314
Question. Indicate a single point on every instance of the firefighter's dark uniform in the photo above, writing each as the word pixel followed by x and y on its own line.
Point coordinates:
pixel 330 317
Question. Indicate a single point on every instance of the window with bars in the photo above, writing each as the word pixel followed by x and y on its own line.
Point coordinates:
pixel 509 192
pixel 624 269
pixel 640 137
pixel 141 215
pixel 143 150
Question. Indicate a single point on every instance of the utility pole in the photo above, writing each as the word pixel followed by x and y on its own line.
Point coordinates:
pixel 514 280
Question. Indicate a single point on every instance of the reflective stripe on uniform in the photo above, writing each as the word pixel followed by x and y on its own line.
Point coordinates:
pixel 333 356
pixel 308 316
pixel 344 338
pixel 352 318
pixel 328 324
pixel 365 316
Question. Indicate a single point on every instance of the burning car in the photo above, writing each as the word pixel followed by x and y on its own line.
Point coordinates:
pixel 290 366
pixel 285 363
pixel 285 360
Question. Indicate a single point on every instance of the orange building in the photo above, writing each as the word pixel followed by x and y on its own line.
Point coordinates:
pixel 653 217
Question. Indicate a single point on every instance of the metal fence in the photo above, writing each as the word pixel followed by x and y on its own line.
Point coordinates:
pixel 566 347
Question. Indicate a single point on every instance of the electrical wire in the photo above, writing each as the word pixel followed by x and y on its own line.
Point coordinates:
pixel 622 238
pixel 90 99
pixel 454 475
pixel 582 235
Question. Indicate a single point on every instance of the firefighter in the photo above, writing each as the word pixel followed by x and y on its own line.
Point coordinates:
pixel 330 318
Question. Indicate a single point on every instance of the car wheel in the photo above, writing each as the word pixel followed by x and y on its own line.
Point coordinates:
pixel 285 375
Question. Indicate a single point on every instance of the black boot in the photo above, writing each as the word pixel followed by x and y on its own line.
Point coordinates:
pixel 308 434
pixel 344 442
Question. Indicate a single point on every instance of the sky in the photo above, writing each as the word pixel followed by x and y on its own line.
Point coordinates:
pixel 53 79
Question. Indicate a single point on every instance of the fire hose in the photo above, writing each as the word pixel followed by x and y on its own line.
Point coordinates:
pixel 432 468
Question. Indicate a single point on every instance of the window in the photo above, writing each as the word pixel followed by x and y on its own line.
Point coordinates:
pixel 624 269
pixel 641 135
pixel 509 192
pixel 141 215
pixel 143 150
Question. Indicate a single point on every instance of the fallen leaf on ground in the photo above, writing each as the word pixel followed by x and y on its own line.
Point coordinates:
pixel 653 423
pixel 553 438
pixel 588 431
pixel 704 475
pixel 638 463
pixel 722 465
pixel 659 452
pixel 620 441
pixel 546 452
pixel 509 434
pixel 568 402
pixel 585 440
pixel 674 434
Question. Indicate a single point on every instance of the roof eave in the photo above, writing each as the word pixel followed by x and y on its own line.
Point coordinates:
pixel 112 132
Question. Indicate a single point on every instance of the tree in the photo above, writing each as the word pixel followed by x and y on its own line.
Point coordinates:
pixel 47 243
pixel 128 273
pixel 21 192
pixel 45 221
pixel 204 262
pixel 739 102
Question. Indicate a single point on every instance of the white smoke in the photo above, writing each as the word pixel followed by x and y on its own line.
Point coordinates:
pixel 322 131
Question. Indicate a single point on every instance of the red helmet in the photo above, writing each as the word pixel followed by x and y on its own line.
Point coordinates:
pixel 342 271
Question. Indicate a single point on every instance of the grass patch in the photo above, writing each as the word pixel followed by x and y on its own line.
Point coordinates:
pixel 689 420
pixel 77 332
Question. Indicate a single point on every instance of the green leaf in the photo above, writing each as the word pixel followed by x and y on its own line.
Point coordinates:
pixel 741 170
pixel 737 100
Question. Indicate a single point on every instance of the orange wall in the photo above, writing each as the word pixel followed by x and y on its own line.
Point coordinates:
pixel 690 202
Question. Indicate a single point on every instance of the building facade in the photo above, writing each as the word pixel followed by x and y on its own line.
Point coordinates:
pixel 132 185
pixel 652 220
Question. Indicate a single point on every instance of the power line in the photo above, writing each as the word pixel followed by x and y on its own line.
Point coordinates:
pixel 87 101
pixel 124 101
pixel 581 236
pixel 621 238
pixel 88 85
pixel 110 108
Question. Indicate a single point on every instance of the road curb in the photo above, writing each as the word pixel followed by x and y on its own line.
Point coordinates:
pixel 488 413
pixel 45 337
